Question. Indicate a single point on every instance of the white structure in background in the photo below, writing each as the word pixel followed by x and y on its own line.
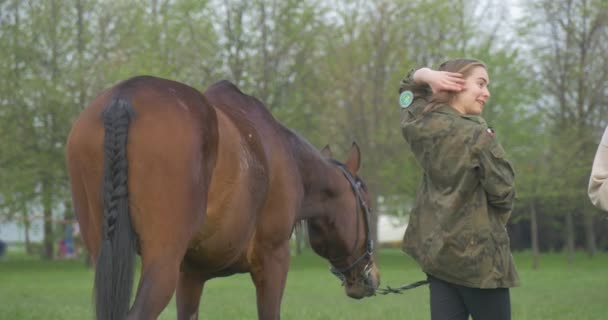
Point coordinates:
pixel 14 232
pixel 391 228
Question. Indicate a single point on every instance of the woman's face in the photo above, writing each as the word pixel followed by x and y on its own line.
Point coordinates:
pixel 475 93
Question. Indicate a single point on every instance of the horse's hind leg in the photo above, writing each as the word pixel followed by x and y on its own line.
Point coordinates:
pixel 188 295
pixel 165 225
pixel 159 274
pixel 156 288
pixel 163 235
pixel 165 218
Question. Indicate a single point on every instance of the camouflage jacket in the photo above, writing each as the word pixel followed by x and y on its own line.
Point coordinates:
pixel 456 230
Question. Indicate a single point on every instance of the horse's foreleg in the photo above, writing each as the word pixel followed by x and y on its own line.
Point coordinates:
pixel 188 295
pixel 269 274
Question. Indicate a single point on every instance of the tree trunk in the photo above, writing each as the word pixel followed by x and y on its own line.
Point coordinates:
pixel 301 237
pixel 590 234
pixel 373 225
pixel 570 237
pixel 26 230
pixel 534 235
pixel 48 248
pixel 80 57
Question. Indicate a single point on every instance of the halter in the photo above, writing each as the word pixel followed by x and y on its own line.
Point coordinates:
pixel 356 187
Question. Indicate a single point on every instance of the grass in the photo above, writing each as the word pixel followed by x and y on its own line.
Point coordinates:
pixel 33 289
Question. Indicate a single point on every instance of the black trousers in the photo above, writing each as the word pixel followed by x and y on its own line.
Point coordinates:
pixel 454 302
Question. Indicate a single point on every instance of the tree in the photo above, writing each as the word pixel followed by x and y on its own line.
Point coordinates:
pixel 270 52
pixel 569 40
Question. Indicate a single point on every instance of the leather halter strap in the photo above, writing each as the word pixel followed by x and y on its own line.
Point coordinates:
pixel 356 187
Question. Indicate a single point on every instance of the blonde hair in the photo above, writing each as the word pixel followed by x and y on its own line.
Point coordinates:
pixel 463 66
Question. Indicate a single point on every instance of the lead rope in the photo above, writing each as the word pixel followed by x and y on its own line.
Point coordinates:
pixel 401 289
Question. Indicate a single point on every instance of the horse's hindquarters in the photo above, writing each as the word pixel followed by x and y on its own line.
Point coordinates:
pixel 84 157
pixel 169 170
pixel 167 159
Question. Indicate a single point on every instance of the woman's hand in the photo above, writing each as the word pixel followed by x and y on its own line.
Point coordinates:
pixel 440 80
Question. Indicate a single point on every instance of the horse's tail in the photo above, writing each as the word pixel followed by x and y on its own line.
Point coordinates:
pixel 115 263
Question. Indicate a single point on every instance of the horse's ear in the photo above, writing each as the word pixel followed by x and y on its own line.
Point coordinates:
pixel 326 152
pixel 353 162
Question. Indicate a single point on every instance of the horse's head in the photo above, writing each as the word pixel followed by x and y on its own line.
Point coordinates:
pixel 341 234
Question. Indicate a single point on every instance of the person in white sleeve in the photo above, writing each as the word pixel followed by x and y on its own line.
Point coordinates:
pixel 598 182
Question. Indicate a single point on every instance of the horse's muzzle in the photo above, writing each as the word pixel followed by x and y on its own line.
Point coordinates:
pixel 365 284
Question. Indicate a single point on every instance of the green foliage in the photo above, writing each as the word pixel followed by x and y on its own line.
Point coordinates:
pixel 329 70
pixel 570 73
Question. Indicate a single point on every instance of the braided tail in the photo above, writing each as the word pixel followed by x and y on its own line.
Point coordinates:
pixel 115 263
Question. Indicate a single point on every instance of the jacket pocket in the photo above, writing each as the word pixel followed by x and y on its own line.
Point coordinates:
pixel 464 256
pixel 497 151
pixel 502 254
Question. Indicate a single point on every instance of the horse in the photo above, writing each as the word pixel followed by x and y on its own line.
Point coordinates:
pixel 205 185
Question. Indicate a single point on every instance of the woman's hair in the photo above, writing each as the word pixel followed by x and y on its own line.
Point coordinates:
pixel 463 66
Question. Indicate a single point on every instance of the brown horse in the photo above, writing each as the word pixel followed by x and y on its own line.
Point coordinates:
pixel 204 186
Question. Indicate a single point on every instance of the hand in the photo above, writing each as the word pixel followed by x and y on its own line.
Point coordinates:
pixel 440 80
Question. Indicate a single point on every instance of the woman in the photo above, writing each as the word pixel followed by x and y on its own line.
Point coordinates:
pixel 598 182
pixel 456 230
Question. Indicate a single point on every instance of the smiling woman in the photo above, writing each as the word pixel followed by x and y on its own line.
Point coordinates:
pixel 456 230
pixel 474 94
pixel 464 88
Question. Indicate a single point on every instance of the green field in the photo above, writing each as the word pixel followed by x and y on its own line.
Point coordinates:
pixel 33 289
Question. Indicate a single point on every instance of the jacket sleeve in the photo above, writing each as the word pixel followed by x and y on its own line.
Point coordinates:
pixel 496 174
pixel 422 94
pixel 422 91
pixel 598 182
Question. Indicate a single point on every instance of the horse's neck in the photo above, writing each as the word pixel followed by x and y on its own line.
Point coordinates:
pixel 319 179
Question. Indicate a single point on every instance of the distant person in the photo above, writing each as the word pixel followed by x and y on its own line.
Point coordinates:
pixel 77 238
pixel 456 230
pixel 68 237
pixel 598 182
pixel 62 249
pixel 2 248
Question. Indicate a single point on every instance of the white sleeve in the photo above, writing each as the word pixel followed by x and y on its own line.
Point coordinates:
pixel 598 182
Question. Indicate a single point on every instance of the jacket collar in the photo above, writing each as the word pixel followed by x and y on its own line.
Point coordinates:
pixel 446 109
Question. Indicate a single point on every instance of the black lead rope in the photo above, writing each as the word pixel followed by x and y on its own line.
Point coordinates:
pixel 401 289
